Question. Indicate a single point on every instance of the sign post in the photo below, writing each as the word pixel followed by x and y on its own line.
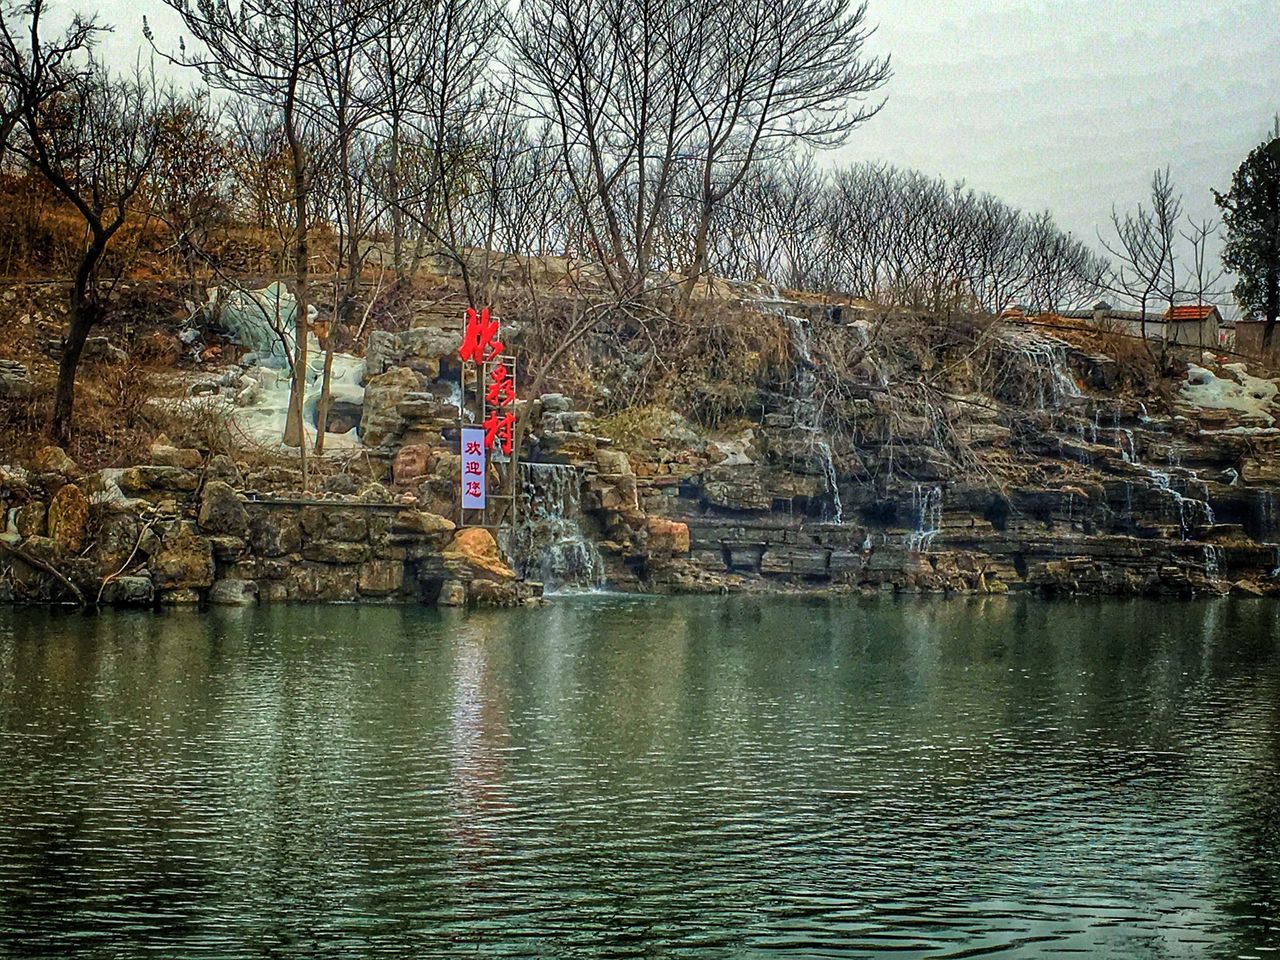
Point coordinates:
pixel 492 441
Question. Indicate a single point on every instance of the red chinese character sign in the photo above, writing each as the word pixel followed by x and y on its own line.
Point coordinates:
pixel 480 338
pixel 493 374
pixel 473 468
pixel 499 425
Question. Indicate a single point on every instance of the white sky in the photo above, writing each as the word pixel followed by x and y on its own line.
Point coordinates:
pixel 1068 105
pixel 1071 105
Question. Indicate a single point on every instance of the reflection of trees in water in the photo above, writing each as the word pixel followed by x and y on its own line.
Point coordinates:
pixel 1061 760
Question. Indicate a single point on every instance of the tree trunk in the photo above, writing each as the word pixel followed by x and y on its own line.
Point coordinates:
pixel 294 432
pixel 1272 310
pixel 397 215
pixel 699 258
pixel 82 320
pixel 322 407
pixel 84 314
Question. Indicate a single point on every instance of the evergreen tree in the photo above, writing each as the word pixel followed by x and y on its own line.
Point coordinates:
pixel 1251 214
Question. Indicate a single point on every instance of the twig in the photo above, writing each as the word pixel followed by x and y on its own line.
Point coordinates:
pixel 41 565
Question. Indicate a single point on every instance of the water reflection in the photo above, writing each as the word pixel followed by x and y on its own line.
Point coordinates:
pixel 634 777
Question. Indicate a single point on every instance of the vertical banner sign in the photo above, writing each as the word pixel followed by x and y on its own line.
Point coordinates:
pixel 473 468
pixel 500 395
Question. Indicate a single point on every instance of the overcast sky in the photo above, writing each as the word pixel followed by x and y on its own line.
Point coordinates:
pixel 1071 105
pixel 1068 105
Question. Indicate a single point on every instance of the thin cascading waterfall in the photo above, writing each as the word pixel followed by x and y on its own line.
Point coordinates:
pixel 1265 511
pixel 1128 448
pixel 1212 561
pixel 549 542
pixel 1191 511
pixel 1045 363
pixel 927 507
pixel 833 484
pixel 807 414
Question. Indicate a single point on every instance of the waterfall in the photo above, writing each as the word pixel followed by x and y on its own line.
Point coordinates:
pixel 1128 447
pixel 1265 514
pixel 829 472
pixel 1200 511
pixel 1045 365
pixel 548 542
pixel 927 506
pixel 1212 561
pixel 807 414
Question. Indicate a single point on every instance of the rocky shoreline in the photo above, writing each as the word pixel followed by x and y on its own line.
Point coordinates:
pixel 1079 490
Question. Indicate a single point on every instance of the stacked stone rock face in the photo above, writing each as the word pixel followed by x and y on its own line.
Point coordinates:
pixel 1086 491
pixel 182 530
pixel 1094 496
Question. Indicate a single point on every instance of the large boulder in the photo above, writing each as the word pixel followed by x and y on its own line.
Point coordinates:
pixel 275 533
pixel 320 581
pixel 116 540
pixel 184 561
pixel 424 523
pixel 380 578
pixel 614 462
pixel 29 520
pixel 474 550
pixel 165 455
pixel 234 593
pixel 221 467
pixel 336 551
pixel 380 421
pixel 411 462
pixel 667 536
pixel 453 593
pixel 221 510
pixel 134 591
pixel 151 478
pixel 68 518
pixel 329 523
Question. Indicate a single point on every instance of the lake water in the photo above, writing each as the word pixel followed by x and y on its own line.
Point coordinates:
pixel 638 777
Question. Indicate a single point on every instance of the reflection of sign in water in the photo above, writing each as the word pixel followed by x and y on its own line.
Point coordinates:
pixel 473 468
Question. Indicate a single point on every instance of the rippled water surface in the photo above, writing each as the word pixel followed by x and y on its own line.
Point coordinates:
pixel 643 778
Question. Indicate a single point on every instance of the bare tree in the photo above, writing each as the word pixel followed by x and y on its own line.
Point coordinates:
pixel 435 111
pixel 427 63
pixel 93 137
pixel 606 76
pixel 260 168
pixel 267 50
pixel 1143 247
pixel 341 99
pixel 1203 276
pixel 188 191
pixel 769 74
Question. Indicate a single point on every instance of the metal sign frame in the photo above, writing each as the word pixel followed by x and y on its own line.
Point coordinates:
pixel 504 504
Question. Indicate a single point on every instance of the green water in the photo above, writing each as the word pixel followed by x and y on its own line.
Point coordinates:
pixel 624 777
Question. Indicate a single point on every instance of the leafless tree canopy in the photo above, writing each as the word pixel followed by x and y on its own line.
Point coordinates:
pixel 659 141
pixel 897 236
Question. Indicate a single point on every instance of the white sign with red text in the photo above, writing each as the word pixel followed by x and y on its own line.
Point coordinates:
pixel 473 468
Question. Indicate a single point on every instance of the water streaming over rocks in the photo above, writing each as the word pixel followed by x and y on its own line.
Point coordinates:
pixel 808 414
pixel 1042 365
pixel 549 543
pixel 926 504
